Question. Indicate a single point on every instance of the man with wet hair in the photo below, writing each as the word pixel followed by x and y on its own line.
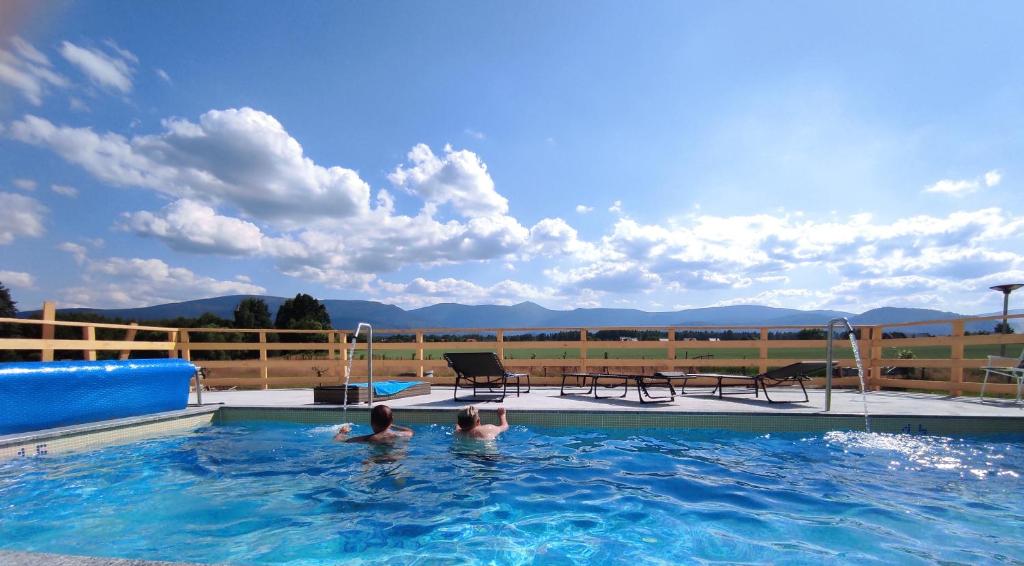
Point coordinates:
pixel 469 424
pixel 385 431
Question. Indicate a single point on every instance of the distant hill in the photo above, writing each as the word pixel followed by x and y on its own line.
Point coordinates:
pixel 346 313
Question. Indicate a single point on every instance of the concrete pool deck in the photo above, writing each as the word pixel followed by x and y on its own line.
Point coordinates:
pixel 844 402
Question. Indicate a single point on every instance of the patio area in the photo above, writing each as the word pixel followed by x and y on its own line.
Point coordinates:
pixel 696 400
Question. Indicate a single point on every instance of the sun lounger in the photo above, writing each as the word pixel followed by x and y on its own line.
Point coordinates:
pixel 798 373
pixel 1012 372
pixel 483 370
pixel 591 383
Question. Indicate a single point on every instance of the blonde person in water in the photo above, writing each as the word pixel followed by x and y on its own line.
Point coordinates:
pixel 469 424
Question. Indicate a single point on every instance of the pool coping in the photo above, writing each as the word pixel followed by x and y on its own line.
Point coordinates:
pixel 97 426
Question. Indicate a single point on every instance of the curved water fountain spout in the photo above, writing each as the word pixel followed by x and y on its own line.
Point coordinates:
pixel 860 367
pixel 369 366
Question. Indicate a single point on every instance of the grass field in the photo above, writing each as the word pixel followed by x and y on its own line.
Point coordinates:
pixel 925 352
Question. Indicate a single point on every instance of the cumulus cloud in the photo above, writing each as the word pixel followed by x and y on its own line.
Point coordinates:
pixel 20 216
pixel 616 207
pixel 65 190
pixel 960 187
pixel 162 74
pixel 241 157
pixel 457 177
pixel 27 70
pixel 111 69
pixel 191 226
pixel 77 251
pixel 18 279
pixel 583 209
pixel 421 292
pixel 132 282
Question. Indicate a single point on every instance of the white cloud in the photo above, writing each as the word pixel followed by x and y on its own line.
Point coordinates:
pixel 241 157
pixel 65 190
pixel 77 251
pixel 583 209
pixel 24 184
pixel 477 135
pixel 992 178
pixel 163 75
pixel 132 282
pixel 18 279
pixel 20 216
pixel 421 292
pixel 616 207
pixel 111 70
pixel 961 187
pixel 76 104
pixel 28 70
pixel 191 226
pixel 458 177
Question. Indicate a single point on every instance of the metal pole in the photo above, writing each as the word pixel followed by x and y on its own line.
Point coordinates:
pixel 828 369
pixel 369 370
pixel 1006 324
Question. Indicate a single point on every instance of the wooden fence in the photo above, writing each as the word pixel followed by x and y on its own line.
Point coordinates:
pixel 948 364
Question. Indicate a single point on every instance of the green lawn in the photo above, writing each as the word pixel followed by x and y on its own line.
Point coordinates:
pixel 926 352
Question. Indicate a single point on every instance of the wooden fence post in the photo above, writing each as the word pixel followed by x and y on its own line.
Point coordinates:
pixel 49 313
pixel 89 335
pixel 264 369
pixel 172 337
pixel 875 359
pixel 583 351
pixel 500 337
pixel 956 357
pixel 129 336
pixel 762 352
pixel 670 353
pixel 420 355
pixel 183 338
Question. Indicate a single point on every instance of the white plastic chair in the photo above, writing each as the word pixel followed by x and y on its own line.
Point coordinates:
pixel 1016 372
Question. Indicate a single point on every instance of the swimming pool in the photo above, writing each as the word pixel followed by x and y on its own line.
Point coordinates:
pixel 261 492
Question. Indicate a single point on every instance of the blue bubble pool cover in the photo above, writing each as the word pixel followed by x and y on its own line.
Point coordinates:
pixel 40 395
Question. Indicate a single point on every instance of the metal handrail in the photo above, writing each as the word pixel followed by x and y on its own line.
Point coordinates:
pixel 828 358
pixel 369 359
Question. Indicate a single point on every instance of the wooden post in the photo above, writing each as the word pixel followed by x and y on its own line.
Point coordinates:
pixel 500 336
pixel 420 355
pixel 875 353
pixel 186 352
pixel 583 351
pixel 762 352
pixel 956 357
pixel 49 313
pixel 89 335
pixel 129 336
pixel 331 361
pixel 264 370
pixel 671 352
pixel 172 337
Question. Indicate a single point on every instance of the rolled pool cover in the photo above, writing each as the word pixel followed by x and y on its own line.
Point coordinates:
pixel 41 395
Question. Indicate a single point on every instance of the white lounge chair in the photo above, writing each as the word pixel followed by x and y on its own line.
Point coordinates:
pixel 1015 372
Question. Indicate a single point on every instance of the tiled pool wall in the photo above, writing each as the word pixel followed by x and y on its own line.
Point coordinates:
pixel 95 435
pixel 741 422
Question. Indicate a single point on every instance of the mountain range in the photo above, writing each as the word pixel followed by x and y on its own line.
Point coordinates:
pixel 346 313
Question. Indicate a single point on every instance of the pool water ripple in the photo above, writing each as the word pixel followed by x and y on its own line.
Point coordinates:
pixel 262 493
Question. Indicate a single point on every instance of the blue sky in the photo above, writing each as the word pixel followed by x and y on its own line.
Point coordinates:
pixel 657 156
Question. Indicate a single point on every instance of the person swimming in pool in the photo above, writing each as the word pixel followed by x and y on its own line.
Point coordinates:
pixel 469 424
pixel 385 431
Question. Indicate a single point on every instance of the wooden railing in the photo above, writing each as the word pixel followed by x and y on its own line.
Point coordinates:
pixel 272 358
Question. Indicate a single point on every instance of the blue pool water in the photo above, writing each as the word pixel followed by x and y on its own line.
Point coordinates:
pixel 285 493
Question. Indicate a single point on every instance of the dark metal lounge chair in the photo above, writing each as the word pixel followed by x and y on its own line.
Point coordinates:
pixel 590 384
pixel 798 372
pixel 483 370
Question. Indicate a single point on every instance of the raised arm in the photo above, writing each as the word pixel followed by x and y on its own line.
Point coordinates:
pixel 502 420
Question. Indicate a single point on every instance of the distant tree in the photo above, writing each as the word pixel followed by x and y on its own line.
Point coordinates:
pixel 302 313
pixel 252 313
pixel 1003 328
pixel 8 310
pixel 810 334
pixel 7 304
